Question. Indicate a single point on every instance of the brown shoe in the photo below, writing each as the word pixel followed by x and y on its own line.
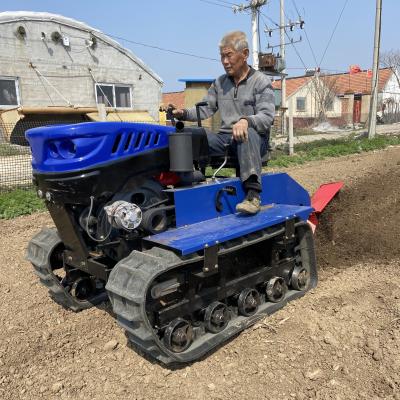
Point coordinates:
pixel 249 206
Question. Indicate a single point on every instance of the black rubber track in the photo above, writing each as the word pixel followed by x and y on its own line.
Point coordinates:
pixel 39 252
pixel 130 279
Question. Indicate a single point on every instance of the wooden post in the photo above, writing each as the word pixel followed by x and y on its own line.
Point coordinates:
pixel 101 109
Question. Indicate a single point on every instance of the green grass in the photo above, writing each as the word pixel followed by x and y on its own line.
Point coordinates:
pixel 322 149
pixel 19 202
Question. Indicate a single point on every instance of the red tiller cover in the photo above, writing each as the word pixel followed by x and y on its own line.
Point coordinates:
pixel 325 193
pixel 321 198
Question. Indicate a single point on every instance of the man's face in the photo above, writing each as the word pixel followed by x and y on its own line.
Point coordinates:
pixel 233 61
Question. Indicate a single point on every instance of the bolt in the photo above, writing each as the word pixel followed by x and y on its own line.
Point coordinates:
pixel 205 269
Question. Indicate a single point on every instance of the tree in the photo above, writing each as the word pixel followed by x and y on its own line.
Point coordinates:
pixel 391 59
pixel 391 105
pixel 324 93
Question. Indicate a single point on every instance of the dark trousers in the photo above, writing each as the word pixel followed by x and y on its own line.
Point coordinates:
pixel 248 153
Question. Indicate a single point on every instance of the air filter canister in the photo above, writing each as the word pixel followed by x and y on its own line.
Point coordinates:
pixel 180 152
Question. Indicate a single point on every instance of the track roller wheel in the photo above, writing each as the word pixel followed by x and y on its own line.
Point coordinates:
pixel 216 317
pixel 276 289
pixel 82 288
pixel 178 335
pixel 300 278
pixel 248 302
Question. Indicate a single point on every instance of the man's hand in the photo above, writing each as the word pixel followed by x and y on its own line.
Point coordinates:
pixel 239 130
pixel 171 108
pixel 176 112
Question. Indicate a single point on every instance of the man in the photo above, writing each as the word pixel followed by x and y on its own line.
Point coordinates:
pixel 245 100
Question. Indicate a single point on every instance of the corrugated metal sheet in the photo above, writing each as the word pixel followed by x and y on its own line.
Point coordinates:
pixel 126 116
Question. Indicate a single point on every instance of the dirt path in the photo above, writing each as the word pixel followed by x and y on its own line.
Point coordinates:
pixel 341 341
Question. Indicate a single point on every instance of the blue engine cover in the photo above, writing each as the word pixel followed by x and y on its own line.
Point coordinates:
pixel 65 148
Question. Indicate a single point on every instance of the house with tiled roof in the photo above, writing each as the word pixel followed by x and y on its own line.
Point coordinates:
pixel 342 98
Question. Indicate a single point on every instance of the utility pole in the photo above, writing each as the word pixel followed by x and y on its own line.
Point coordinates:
pixel 254 35
pixel 375 71
pixel 254 5
pixel 283 72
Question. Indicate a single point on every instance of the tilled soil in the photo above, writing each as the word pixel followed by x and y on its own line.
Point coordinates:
pixel 340 341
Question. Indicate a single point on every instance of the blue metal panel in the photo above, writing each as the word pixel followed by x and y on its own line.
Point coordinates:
pixel 64 148
pixel 196 204
pixel 191 238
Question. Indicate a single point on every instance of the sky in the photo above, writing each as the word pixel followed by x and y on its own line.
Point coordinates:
pixel 196 26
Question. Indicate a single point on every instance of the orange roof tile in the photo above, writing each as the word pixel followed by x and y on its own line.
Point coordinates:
pixel 343 83
pixel 176 98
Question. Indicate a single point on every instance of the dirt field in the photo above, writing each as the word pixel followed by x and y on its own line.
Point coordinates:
pixel 341 341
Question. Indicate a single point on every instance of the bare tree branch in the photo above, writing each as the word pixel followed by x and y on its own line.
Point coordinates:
pixel 391 59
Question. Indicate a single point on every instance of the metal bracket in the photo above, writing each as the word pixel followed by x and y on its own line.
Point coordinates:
pixel 289 230
pixel 210 260
pixel 230 190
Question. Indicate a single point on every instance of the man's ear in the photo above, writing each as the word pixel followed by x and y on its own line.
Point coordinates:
pixel 246 53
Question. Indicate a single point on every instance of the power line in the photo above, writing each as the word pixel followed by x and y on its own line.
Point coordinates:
pixel 333 32
pixel 308 40
pixel 266 16
pixel 226 2
pixel 295 6
pixel 305 32
pixel 163 49
pixel 309 44
pixel 294 47
pixel 216 4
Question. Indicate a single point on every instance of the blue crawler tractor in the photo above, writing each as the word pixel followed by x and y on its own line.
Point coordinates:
pixel 136 222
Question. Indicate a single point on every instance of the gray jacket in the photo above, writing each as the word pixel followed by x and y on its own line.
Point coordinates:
pixel 252 99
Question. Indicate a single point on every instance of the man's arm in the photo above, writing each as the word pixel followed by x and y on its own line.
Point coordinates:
pixel 262 120
pixel 189 114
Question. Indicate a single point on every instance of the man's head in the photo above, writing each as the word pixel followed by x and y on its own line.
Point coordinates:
pixel 234 51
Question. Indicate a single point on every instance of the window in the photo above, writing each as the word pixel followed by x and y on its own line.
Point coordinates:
pixel 116 96
pixel 9 96
pixel 300 103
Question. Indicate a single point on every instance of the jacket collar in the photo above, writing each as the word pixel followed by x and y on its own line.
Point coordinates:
pixel 249 74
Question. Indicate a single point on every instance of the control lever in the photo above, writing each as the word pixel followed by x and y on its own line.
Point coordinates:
pixel 170 115
pixel 198 105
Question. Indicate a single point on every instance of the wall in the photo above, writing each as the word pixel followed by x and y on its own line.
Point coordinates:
pixel 392 89
pixel 194 93
pixel 312 104
pixel 67 68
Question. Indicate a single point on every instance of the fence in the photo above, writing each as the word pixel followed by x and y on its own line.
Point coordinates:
pixel 15 153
